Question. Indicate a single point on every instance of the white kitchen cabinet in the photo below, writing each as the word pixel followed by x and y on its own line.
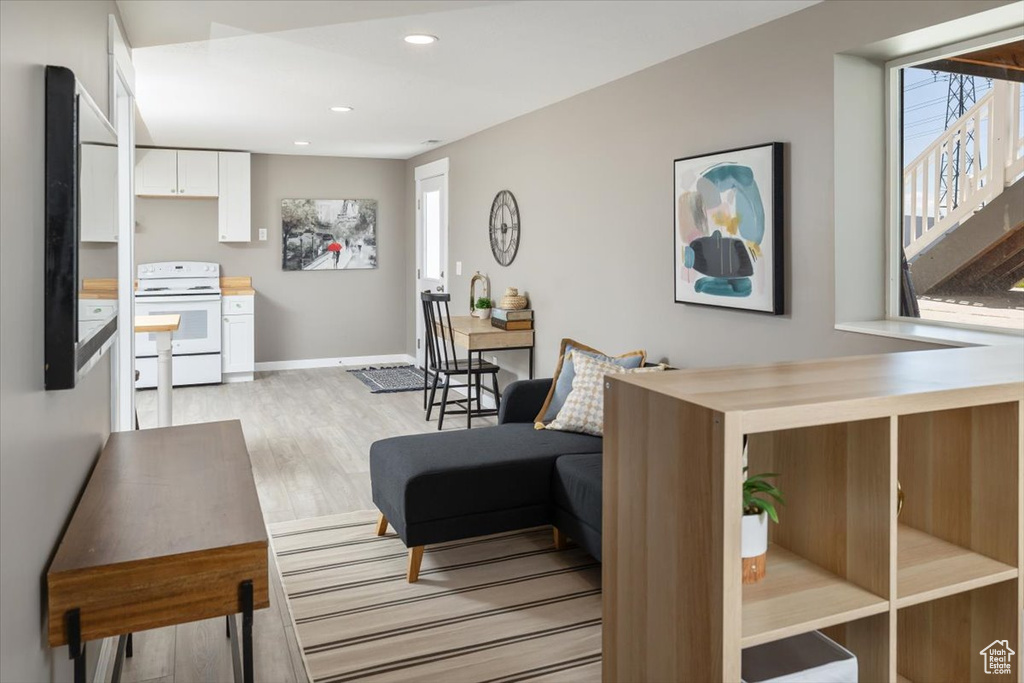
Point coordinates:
pixel 238 339
pixel 99 193
pixel 156 172
pixel 176 173
pixel 198 175
pixel 234 208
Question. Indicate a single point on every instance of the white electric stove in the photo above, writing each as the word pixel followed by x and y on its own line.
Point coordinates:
pixel 192 290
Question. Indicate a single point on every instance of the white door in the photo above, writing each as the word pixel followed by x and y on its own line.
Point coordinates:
pixel 234 219
pixel 156 172
pixel 431 239
pixel 197 174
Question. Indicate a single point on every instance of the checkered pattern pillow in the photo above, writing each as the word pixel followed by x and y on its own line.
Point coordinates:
pixel 583 410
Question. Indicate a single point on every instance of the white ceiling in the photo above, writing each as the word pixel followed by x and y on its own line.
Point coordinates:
pixel 259 75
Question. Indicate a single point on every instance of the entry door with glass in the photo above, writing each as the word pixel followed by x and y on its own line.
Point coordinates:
pixel 431 242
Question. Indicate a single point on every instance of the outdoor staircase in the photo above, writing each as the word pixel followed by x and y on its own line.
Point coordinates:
pixel 964 220
pixel 984 255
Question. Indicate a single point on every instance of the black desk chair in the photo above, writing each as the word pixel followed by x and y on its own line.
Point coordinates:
pixel 441 362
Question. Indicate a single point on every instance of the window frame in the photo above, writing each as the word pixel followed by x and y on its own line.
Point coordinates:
pixel 894 172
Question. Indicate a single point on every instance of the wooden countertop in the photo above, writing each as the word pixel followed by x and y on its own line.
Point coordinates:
pixel 157 323
pixel 106 288
pixel 237 285
pixel 857 388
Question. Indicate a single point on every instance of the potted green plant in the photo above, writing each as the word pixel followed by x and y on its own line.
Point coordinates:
pixel 760 497
pixel 482 308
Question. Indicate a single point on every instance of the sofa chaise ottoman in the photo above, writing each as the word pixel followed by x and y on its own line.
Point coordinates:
pixel 446 486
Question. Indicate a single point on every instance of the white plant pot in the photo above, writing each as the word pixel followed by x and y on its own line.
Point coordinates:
pixel 754 536
pixel 754 547
pixel 482 313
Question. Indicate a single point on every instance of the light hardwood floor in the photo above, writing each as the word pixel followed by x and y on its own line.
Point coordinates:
pixel 309 434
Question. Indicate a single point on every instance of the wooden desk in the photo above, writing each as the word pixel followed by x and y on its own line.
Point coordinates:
pixel 476 336
pixel 169 530
pixel 164 326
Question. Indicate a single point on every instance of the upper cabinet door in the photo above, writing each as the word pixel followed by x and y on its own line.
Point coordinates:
pixel 98 193
pixel 234 210
pixel 197 174
pixel 156 172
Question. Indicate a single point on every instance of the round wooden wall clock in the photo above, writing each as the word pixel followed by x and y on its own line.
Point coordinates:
pixel 504 227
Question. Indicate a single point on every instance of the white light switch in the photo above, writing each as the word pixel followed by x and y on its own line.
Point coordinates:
pixel 263 234
pixel 458 267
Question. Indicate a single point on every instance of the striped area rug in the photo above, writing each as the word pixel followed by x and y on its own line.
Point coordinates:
pixel 502 608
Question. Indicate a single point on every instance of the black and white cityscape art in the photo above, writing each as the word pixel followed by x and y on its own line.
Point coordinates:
pixel 329 234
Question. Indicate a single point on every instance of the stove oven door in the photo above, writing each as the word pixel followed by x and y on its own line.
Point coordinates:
pixel 198 333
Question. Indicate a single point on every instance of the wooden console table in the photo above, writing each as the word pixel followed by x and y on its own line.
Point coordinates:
pixel 169 530
pixel 915 599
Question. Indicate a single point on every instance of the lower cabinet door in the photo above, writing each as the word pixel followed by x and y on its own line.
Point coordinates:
pixel 238 334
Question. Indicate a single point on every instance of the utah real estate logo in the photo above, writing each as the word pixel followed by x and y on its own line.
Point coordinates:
pixel 998 656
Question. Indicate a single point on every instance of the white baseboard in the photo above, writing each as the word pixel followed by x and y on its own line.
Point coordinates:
pixel 236 377
pixel 334 362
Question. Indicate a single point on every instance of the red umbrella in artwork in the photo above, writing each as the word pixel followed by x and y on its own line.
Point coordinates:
pixel 336 248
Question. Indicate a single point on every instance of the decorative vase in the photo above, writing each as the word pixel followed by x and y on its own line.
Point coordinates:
pixel 482 313
pixel 754 547
pixel 512 301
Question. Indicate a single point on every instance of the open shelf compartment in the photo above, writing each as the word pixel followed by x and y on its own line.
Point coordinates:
pixel 941 641
pixel 828 562
pixel 797 596
pixel 930 568
pixel 959 473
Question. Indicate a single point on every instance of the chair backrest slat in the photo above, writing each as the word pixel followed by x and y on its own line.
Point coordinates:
pixel 435 309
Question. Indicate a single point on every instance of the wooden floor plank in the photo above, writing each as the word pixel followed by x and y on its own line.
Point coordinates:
pixel 309 434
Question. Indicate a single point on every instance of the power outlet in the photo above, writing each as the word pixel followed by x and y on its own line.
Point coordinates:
pixel 458 267
pixel 494 359
pixel 263 234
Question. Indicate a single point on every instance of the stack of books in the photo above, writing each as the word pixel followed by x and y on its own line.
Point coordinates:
pixel 506 319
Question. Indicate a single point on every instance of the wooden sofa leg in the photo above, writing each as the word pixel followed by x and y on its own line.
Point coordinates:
pixel 415 557
pixel 561 542
pixel 382 525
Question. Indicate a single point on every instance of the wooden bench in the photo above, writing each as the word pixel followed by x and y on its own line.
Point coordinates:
pixel 169 530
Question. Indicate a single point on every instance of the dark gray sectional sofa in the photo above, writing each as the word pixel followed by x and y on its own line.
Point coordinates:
pixel 445 486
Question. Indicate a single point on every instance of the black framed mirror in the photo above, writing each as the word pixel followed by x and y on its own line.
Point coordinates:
pixel 81 175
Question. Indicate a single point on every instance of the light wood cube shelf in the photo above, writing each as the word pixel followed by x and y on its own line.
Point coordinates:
pixel 912 597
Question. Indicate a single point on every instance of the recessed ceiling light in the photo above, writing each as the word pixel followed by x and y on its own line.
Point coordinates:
pixel 302 143
pixel 420 39
pixel 341 109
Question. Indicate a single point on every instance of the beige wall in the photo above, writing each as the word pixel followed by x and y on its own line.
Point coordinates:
pixel 48 440
pixel 593 178
pixel 299 315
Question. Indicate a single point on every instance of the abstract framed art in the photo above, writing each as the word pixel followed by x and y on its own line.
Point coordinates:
pixel 728 229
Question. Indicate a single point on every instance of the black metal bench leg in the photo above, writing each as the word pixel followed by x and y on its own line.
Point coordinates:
pixel 247 609
pixel 76 646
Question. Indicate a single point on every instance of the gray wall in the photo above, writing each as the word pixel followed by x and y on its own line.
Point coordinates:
pixel 48 440
pixel 593 178
pixel 299 315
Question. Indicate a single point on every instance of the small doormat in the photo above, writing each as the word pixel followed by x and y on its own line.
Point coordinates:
pixel 390 380
pixel 503 608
